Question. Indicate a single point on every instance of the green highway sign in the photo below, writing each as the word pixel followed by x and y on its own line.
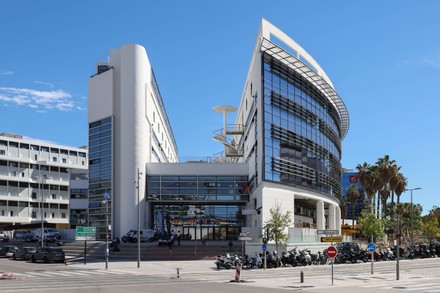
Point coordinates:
pixel 85 233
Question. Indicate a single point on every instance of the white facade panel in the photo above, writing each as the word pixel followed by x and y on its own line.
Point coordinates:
pixel 101 89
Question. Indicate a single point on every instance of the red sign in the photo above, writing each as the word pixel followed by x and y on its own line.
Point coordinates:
pixel 332 251
pixel 354 179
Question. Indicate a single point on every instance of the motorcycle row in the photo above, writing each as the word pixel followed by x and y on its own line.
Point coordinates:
pixel 296 257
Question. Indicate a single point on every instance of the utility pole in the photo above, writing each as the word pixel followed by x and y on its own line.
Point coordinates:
pixel 139 220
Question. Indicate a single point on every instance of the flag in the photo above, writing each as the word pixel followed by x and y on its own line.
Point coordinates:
pixel 106 195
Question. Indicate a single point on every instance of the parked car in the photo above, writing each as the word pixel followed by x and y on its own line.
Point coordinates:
pixel 8 250
pixel 347 246
pixel 22 234
pixel 24 253
pixel 48 254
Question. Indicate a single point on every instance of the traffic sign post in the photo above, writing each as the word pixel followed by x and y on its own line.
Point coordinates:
pixel 264 250
pixel 371 247
pixel 332 252
pixel 85 233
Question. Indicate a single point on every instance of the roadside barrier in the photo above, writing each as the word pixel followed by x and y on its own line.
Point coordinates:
pixel 238 271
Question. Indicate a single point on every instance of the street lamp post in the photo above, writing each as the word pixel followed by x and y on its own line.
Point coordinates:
pixel 412 211
pixel 107 252
pixel 139 220
pixel 42 179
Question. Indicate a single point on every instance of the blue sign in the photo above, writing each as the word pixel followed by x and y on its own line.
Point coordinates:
pixel 371 247
pixel 264 246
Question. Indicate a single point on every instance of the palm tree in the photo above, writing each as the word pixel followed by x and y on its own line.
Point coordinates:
pixel 343 206
pixel 386 169
pixel 352 196
pixel 369 181
pixel 401 185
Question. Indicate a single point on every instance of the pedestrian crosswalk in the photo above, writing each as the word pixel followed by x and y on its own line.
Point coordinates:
pixel 72 273
pixel 410 286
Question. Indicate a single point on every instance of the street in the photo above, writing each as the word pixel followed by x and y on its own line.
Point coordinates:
pixel 420 275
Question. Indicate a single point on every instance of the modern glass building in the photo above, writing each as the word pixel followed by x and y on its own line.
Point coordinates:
pixel 293 123
pixel 128 127
pixel 350 178
pixel 203 204
pixel 284 149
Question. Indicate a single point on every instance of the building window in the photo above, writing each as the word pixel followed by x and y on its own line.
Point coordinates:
pixel 64 160
pixel 34 195
pixel 54 159
pixel 3 213
pixel 2 152
pixel 34 215
pixel 54 196
pixel 12 213
pixel 63 215
pixel 53 215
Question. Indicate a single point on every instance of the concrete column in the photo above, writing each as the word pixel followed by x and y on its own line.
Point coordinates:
pixel 320 217
pixel 338 219
pixel 332 217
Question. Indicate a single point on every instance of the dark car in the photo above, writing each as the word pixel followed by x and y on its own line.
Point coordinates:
pixel 347 246
pixel 24 253
pixel 48 254
pixel 7 250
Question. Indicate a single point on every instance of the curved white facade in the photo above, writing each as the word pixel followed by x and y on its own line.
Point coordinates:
pixel 293 123
pixel 124 91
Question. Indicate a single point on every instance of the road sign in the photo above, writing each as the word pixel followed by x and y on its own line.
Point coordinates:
pixel 333 232
pixel 85 233
pixel 331 239
pixel 264 246
pixel 332 251
pixel 245 234
pixel 326 232
pixel 244 238
pixel 371 247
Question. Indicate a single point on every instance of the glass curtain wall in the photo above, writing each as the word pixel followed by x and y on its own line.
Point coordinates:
pixel 302 132
pixel 100 175
pixel 201 207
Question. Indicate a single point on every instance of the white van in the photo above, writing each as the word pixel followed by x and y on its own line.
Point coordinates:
pixel 146 235
pixel 36 234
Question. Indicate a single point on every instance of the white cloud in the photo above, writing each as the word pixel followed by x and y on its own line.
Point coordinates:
pixel 41 100
pixel 39 140
pixel 426 61
pixel 44 83
pixel 6 72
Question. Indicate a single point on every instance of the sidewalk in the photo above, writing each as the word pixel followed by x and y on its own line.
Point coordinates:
pixel 281 278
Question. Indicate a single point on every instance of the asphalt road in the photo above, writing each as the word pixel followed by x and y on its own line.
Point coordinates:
pixel 202 276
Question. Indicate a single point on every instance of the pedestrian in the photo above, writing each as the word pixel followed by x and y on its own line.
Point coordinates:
pixel 171 241
pixel 178 237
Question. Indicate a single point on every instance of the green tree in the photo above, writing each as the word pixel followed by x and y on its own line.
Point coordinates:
pixel 275 226
pixel 430 226
pixel 370 226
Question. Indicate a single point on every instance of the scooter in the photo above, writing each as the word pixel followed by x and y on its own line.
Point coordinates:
pixel 223 262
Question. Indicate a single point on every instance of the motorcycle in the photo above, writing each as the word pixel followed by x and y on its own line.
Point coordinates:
pixel 224 262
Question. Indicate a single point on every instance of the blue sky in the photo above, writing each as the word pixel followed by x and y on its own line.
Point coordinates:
pixel 383 58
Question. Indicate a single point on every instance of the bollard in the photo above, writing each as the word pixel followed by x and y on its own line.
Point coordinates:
pixel 302 276
pixel 238 272
pixel 178 276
